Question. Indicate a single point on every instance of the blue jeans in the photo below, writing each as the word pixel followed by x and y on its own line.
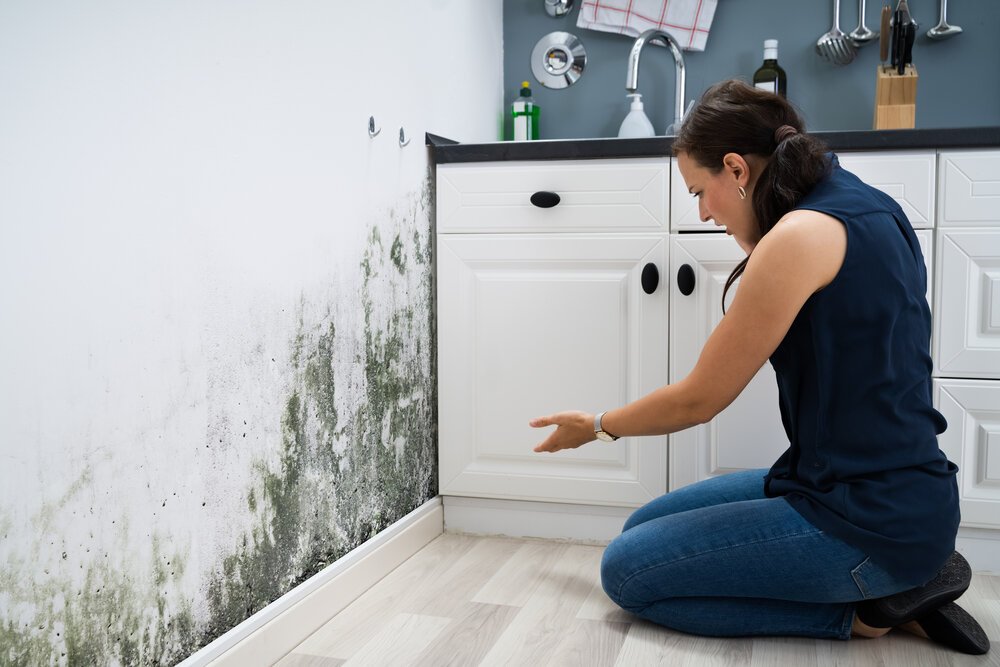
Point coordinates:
pixel 718 558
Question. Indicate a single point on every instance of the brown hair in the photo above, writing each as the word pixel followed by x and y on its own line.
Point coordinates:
pixel 734 117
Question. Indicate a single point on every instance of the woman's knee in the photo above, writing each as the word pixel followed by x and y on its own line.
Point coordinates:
pixel 619 575
pixel 612 569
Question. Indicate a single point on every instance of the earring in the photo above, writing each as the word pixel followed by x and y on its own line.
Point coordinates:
pixel 743 193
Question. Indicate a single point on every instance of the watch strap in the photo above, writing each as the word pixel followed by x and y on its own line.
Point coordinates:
pixel 599 428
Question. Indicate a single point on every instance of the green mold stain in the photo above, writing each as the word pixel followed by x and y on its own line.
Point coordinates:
pixel 336 484
pixel 339 482
pixel 108 619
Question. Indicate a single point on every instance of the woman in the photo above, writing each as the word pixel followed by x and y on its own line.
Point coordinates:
pixel 852 530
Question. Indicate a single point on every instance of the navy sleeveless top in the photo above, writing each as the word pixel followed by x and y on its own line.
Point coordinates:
pixel 854 389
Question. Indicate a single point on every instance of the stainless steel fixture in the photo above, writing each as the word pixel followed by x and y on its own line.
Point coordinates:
pixel 558 60
pixel 862 35
pixel 942 30
pixel 557 8
pixel 834 45
pixel 659 38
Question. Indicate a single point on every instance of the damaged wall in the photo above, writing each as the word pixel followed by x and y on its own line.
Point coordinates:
pixel 217 370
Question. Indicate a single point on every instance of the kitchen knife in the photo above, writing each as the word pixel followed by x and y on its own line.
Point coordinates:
pixel 911 35
pixel 894 46
pixel 883 35
pixel 905 32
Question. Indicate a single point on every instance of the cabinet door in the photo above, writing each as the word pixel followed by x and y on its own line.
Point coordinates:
pixel 970 189
pixel 747 434
pixel 972 408
pixel 535 324
pixel 967 303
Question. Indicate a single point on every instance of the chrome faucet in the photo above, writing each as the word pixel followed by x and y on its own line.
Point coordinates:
pixel 632 77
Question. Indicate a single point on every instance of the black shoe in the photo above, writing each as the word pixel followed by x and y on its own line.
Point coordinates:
pixel 948 584
pixel 952 626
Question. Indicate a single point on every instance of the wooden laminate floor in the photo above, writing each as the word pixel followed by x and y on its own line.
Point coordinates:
pixel 465 600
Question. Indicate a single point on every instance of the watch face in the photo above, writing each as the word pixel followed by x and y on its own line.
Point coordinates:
pixel 601 435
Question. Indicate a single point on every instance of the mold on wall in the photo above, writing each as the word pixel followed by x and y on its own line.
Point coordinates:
pixel 344 447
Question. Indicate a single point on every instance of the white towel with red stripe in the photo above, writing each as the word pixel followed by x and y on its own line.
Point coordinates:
pixel 688 21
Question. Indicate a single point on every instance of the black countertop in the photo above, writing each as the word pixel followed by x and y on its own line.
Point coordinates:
pixel 446 150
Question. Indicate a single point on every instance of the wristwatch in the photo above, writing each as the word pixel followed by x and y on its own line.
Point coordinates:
pixel 599 430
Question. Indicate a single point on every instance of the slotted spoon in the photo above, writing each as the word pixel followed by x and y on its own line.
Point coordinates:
pixel 835 46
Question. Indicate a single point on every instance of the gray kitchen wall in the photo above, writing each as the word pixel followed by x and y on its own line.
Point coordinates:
pixel 959 82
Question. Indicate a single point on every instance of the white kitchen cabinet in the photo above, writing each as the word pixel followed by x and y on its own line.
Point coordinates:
pixel 972 441
pixel 534 323
pixel 967 303
pixel 967 296
pixel 967 327
pixel 969 184
pixel 906 176
pixel 747 434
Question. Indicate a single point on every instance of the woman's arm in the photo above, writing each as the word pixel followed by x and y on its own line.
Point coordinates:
pixel 798 257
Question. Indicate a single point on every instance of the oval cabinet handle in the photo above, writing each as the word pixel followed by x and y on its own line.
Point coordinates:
pixel 650 278
pixel 685 279
pixel 544 199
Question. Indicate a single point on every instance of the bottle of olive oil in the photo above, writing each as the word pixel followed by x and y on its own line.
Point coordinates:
pixel 770 76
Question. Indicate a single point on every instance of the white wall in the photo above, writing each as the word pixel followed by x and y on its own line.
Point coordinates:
pixel 187 194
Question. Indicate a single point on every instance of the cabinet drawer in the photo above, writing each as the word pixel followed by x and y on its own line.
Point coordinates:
pixel 967 303
pixel 970 188
pixel 906 177
pixel 596 195
pixel 972 441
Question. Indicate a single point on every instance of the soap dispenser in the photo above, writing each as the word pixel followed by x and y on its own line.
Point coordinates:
pixel 636 124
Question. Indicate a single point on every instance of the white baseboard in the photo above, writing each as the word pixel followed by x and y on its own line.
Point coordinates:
pixel 981 547
pixel 271 633
pixel 599 525
pixel 589 524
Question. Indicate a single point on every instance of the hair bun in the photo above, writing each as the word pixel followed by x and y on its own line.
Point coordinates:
pixel 783 133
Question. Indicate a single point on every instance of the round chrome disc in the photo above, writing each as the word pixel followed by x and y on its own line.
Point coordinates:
pixel 558 59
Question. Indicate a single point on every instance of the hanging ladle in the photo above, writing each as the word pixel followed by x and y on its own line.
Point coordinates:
pixel 942 30
pixel 862 35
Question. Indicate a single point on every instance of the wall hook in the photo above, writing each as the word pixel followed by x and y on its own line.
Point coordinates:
pixel 402 138
pixel 372 130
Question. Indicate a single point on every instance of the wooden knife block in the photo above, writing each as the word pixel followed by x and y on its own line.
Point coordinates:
pixel 895 98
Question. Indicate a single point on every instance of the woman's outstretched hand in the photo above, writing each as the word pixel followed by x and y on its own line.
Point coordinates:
pixel 573 428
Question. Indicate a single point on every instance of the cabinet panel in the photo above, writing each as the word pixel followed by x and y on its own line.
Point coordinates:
pixel 970 188
pixel 534 324
pixel 967 303
pixel 594 195
pixel 972 408
pixel 684 206
pixel 907 177
pixel 747 434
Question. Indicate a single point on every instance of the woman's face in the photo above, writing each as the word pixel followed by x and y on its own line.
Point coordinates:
pixel 719 196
